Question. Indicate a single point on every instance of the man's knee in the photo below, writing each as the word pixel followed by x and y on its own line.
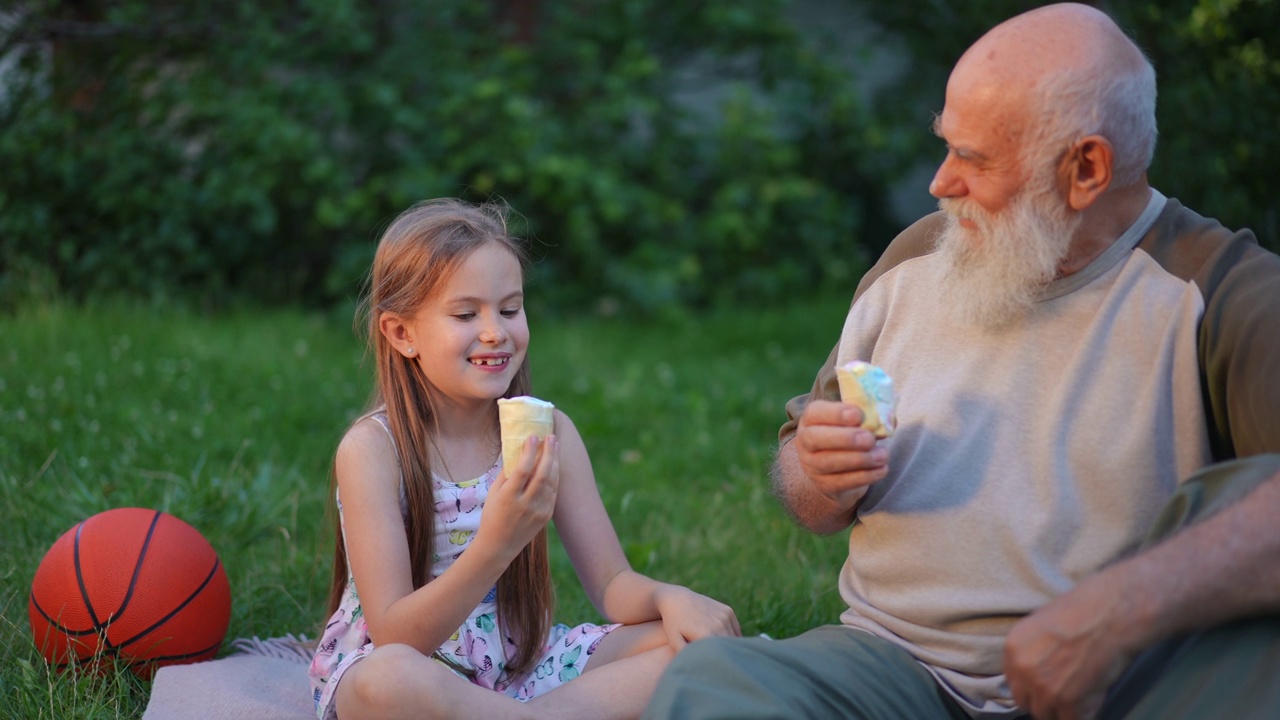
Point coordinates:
pixel 1212 489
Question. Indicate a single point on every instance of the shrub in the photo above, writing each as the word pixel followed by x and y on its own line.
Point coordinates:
pixel 227 149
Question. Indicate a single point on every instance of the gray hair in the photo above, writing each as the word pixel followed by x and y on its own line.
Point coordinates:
pixel 1118 104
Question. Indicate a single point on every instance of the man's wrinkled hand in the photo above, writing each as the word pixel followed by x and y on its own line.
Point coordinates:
pixel 1060 660
pixel 839 456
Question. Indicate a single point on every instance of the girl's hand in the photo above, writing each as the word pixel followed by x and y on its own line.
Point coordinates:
pixel 522 499
pixel 688 616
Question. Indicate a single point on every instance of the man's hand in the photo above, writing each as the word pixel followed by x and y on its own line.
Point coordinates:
pixel 1060 659
pixel 822 473
pixel 840 457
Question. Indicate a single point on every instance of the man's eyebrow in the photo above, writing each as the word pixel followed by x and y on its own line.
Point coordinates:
pixel 960 150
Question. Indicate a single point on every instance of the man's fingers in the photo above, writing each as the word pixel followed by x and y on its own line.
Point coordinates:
pixel 840 462
pixel 849 479
pixel 821 438
pixel 829 412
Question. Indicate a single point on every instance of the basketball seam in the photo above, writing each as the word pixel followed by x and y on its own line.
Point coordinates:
pixel 57 625
pixel 213 571
pixel 84 591
pixel 137 567
pixel 169 658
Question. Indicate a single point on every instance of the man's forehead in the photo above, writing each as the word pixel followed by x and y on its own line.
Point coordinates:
pixel 979 118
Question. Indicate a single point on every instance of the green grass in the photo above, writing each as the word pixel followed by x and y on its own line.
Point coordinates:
pixel 229 422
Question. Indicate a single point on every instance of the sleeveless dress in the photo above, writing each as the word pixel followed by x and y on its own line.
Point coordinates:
pixel 476 652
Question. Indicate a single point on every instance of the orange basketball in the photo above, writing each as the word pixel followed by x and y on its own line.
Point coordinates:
pixel 134 584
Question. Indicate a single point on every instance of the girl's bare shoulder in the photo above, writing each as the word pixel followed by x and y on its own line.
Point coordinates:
pixel 366 453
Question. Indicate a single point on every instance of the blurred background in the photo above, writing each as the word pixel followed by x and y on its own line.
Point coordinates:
pixel 662 156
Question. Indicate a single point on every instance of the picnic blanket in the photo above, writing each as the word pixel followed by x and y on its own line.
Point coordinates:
pixel 262 680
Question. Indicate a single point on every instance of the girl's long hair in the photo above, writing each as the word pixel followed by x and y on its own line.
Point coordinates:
pixel 422 248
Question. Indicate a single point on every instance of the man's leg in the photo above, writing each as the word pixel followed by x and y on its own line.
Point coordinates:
pixel 1209 490
pixel 1226 672
pixel 829 672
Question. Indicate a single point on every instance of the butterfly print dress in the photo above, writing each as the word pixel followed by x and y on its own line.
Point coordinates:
pixel 477 651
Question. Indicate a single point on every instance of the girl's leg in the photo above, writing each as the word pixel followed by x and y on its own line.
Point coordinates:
pixel 618 679
pixel 626 641
pixel 617 690
pixel 397 681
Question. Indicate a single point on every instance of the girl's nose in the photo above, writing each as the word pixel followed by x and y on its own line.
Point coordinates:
pixel 492 334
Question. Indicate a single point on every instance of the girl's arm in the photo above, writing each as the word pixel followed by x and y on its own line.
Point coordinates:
pixel 617 591
pixel 378 550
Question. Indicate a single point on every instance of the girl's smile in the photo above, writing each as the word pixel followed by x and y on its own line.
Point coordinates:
pixel 491 363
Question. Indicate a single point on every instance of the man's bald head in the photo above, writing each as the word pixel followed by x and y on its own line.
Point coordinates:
pixel 1025 48
pixel 1063 72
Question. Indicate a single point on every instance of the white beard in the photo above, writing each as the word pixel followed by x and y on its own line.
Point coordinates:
pixel 996 272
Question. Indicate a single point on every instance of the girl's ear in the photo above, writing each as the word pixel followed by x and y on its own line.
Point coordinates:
pixel 396 331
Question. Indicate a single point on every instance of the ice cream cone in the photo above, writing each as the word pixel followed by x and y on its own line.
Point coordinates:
pixel 870 388
pixel 519 418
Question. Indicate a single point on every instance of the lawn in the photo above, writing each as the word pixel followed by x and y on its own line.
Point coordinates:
pixel 229 422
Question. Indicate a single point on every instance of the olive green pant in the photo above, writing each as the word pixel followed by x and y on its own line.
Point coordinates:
pixel 835 672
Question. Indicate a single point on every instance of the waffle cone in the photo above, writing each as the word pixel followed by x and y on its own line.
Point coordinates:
pixel 520 418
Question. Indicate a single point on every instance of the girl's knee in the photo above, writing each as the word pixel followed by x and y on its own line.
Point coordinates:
pixel 390 663
pixel 388 678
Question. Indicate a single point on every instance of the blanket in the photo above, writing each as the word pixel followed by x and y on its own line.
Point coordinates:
pixel 262 679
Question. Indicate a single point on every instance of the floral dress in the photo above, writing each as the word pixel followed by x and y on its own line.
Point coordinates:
pixel 476 652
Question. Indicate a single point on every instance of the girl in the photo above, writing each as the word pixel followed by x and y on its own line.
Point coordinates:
pixel 441 593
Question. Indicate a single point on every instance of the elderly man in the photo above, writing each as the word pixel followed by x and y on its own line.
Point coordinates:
pixel 1072 351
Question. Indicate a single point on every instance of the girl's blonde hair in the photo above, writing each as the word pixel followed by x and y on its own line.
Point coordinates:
pixel 417 253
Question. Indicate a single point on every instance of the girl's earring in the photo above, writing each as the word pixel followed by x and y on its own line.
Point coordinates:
pixel 411 352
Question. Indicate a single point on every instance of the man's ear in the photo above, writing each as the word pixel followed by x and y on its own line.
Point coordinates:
pixel 1088 170
pixel 396 331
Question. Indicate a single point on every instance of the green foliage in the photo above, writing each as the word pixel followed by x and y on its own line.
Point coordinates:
pixel 661 154
pixel 229 421
pixel 1219 67
pixel 153 147
pixel 1218 73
